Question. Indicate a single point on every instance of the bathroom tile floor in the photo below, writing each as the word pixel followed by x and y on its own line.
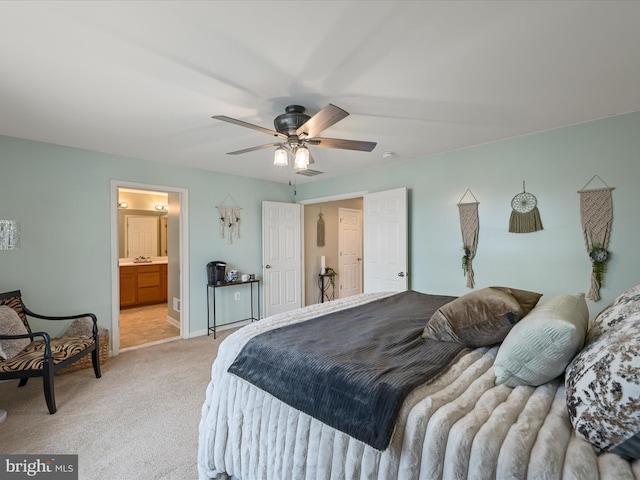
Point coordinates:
pixel 141 325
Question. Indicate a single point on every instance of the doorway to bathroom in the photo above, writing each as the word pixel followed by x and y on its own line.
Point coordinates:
pixel 149 276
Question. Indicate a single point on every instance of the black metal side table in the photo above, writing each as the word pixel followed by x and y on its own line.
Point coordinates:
pixel 327 286
pixel 215 287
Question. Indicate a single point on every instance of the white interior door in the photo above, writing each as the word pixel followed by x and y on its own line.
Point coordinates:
pixel 349 252
pixel 385 241
pixel 281 257
pixel 142 236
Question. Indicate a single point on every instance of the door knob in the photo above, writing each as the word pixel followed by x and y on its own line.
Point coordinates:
pixel 401 274
pixel 267 266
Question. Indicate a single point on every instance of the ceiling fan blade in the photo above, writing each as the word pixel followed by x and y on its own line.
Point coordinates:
pixel 322 120
pixel 253 149
pixel 224 118
pixel 341 143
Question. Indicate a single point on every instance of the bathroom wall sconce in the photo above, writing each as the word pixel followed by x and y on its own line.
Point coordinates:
pixel 123 205
pixel 9 235
pixel 162 208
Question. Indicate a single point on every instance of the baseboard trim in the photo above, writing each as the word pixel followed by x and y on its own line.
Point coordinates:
pixel 174 322
pixel 220 328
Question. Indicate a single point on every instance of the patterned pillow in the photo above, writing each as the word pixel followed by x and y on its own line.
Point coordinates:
pixel 624 307
pixel 10 324
pixel 603 382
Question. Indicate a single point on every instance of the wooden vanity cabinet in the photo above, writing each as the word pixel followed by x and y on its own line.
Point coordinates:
pixel 143 285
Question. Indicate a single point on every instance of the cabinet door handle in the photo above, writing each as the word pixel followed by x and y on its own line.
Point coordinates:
pixel 267 266
pixel 401 274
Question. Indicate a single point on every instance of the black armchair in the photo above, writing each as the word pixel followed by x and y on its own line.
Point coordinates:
pixel 43 356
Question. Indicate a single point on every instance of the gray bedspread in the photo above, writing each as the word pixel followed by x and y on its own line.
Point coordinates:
pixel 351 369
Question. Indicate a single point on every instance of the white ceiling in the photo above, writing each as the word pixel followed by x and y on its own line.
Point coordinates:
pixel 142 79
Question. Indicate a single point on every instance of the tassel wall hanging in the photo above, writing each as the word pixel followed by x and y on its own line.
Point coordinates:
pixel 525 217
pixel 470 226
pixel 229 219
pixel 596 212
pixel 320 231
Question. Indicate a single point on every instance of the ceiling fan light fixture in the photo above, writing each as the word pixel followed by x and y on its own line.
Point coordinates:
pixel 302 158
pixel 280 157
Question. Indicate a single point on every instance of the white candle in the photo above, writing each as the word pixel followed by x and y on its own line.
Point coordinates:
pixel 322 264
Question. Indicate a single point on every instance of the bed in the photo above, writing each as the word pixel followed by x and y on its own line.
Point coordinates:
pixel 502 410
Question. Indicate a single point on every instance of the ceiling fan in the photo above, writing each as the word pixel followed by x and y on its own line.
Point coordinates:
pixel 296 131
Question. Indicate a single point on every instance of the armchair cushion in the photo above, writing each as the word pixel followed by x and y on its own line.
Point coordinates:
pixel 11 324
pixel 32 357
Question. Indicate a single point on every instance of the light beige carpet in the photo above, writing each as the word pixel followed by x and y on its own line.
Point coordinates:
pixel 139 421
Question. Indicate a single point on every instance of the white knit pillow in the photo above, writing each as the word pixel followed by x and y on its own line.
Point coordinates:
pixel 10 324
pixel 540 346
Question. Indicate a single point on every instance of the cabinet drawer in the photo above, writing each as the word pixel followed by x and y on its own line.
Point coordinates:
pixel 148 268
pixel 148 279
pixel 149 295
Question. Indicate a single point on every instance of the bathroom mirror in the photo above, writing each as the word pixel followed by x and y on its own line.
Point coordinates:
pixel 142 224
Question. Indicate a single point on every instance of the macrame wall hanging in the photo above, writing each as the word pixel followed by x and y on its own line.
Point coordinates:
pixel 596 212
pixel 525 217
pixel 470 226
pixel 320 231
pixel 229 219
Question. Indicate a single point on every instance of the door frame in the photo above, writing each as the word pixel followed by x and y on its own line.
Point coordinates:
pixel 311 201
pixel 183 225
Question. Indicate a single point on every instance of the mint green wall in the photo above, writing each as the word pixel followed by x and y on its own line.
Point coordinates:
pixel 555 165
pixel 61 197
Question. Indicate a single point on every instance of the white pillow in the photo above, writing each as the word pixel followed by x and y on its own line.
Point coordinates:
pixel 540 346
pixel 10 324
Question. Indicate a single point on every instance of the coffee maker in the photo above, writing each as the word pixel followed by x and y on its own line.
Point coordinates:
pixel 216 272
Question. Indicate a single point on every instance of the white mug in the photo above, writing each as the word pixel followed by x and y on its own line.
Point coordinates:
pixel 245 277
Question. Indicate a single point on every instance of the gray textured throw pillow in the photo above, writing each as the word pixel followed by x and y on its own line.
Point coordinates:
pixel 10 324
pixel 525 298
pixel 477 319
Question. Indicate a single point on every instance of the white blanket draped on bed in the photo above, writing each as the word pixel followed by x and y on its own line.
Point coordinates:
pixel 461 425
